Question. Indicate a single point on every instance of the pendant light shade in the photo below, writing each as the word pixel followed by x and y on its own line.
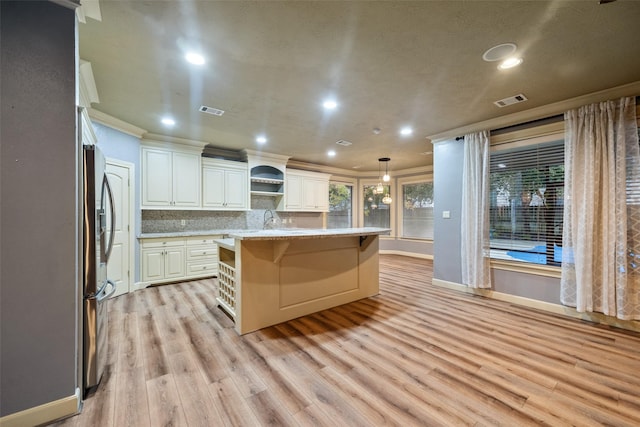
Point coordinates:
pixel 385 178
pixel 386 160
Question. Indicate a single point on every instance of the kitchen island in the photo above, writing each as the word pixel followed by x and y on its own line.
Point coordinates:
pixel 270 276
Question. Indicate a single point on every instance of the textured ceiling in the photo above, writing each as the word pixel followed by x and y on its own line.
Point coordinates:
pixel 389 64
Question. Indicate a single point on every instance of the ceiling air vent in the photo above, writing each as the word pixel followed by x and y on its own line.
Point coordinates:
pixel 211 110
pixel 510 100
pixel 343 143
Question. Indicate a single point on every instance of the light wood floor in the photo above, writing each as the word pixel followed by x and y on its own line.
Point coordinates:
pixel 414 355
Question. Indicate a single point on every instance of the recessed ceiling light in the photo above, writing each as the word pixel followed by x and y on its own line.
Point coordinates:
pixel 261 139
pixel 405 131
pixel 330 104
pixel 168 121
pixel 194 58
pixel 502 165
pixel 331 153
pixel 499 52
pixel 510 63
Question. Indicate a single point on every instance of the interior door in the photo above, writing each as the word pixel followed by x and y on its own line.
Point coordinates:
pixel 118 267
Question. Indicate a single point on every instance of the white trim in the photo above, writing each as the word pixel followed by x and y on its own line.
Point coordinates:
pixel 347 173
pixel 150 143
pixel 44 414
pixel 630 325
pixel 353 182
pixel 392 207
pixel 545 133
pixel 88 89
pixel 400 182
pixel 89 9
pixel 115 123
pixel 404 253
pixel 139 286
pixel 526 268
pixel 69 4
pixel 175 140
pixel 631 89
pixel 132 217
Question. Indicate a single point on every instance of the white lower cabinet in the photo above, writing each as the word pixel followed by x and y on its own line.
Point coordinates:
pixel 178 258
pixel 202 256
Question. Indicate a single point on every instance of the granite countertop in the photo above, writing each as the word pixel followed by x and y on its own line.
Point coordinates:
pixel 187 233
pixel 305 233
pixel 277 234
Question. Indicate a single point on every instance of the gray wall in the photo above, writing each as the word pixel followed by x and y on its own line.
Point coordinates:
pixel 121 146
pixel 39 212
pixel 447 180
pixel 447 196
pixel 412 246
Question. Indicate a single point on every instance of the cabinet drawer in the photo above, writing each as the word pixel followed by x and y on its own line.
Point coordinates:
pixel 209 268
pixel 198 252
pixel 204 240
pixel 162 243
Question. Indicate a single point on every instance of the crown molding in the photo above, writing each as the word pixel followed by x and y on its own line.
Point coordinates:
pixel 347 173
pixel 69 4
pixel 88 89
pixel 175 140
pixel 631 89
pixel 114 123
pixel 296 164
pixel 89 9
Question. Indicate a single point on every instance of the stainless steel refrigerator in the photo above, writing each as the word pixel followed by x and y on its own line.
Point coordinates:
pixel 97 244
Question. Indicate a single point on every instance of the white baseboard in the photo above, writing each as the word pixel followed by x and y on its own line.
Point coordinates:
pixel 139 285
pixel 404 253
pixel 542 305
pixel 46 413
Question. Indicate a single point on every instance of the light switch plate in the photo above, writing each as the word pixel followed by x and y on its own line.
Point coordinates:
pixel 446 214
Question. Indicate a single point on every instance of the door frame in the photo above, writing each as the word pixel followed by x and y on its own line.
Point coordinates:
pixel 132 201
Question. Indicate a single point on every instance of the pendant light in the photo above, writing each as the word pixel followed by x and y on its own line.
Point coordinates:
pixel 385 178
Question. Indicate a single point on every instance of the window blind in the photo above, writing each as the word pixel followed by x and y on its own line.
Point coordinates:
pixel 527 190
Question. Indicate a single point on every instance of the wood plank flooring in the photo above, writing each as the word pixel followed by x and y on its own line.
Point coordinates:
pixel 414 355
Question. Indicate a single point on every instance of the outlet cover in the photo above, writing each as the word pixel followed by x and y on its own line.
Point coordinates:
pixel 446 214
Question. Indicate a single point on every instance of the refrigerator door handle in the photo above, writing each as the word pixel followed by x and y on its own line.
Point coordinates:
pixel 103 295
pixel 107 187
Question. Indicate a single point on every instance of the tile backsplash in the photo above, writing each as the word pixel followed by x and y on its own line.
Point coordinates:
pixel 165 221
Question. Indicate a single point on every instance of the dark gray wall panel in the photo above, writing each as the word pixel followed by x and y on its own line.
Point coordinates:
pixel 39 211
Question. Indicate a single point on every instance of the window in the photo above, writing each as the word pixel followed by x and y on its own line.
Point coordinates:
pixel 376 213
pixel 340 206
pixel 527 191
pixel 417 210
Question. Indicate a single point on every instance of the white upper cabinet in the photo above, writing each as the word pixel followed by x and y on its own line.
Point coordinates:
pixel 306 191
pixel 170 179
pixel 225 185
pixel 316 194
pixel 293 195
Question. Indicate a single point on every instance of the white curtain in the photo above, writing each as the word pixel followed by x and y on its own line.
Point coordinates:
pixel 475 211
pixel 601 235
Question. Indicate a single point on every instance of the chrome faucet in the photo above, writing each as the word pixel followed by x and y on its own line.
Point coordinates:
pixel 268 218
